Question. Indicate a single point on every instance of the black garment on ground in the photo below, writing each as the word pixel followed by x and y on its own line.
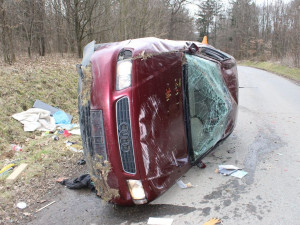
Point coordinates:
pixel 84 181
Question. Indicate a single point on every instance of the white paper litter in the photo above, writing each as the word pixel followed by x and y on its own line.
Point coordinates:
pixel 183 185
pixel 36 119
pixel 239 174
pixel 160 221
pixel 75 131
pixel 75 150
pixel 228 167
pixel 21 205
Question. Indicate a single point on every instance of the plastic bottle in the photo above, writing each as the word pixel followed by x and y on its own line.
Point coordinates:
pixel 16 148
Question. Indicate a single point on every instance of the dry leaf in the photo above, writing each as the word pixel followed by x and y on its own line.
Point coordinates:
pixel 213 221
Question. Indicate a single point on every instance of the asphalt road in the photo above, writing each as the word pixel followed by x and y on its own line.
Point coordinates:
pixel 265 142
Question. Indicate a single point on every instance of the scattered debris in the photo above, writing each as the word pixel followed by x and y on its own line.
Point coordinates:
pixel 69 143
pixel 61 117
pixel 42 201
pixel 6 168
pixel 227 170
pixel 36 119
pixel 16 148
pixel 60 132
pixel 81 162
pixel 160 221
pixel 21 205
pixel 228 167
pixel 230 170
pixel 27 214
pixel 60 179
pixel 183 185
pixel 68 126
pixel 213 221
pixel 239 174
pixel 46 133
pixel 75 150
pixel 6 172
pixel 66 133
pixel 73 146
pixel 84 181
pixel 12 177
pixel 55 137
pixel 75 132
pixel 45 206
pixel 41 105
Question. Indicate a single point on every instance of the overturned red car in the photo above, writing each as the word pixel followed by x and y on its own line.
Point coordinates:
pixel 149 110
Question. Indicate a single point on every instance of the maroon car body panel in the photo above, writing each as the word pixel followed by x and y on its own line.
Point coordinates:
pixel 157 115
pixel 160 140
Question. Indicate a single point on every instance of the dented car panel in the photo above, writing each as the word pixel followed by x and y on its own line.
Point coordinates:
pixel 135 116
pixel 159 126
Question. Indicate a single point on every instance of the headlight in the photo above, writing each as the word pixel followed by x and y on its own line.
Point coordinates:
pixel 137 191
pixel 124 68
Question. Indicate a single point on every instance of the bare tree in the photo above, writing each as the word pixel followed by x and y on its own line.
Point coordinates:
pixel 176 7
pixel 242 28
pixel 40 27
pixel 81 12
pixel 6 33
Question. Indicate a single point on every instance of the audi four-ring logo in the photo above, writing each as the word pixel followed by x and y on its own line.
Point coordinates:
pixel 124 137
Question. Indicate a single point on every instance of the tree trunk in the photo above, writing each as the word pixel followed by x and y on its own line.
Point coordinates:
pixel 7 37
pixel 41 34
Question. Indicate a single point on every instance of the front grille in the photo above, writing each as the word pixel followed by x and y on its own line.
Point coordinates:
pixel 124 135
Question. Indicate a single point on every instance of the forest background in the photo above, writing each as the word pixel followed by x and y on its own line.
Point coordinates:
pixel 262 30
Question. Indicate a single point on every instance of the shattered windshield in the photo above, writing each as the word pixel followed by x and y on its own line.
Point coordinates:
pixel 209 104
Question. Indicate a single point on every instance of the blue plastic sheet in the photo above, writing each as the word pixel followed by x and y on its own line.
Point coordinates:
pixel 61 118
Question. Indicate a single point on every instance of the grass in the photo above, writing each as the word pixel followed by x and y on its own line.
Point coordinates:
pixel 53 80
pixel 289 72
